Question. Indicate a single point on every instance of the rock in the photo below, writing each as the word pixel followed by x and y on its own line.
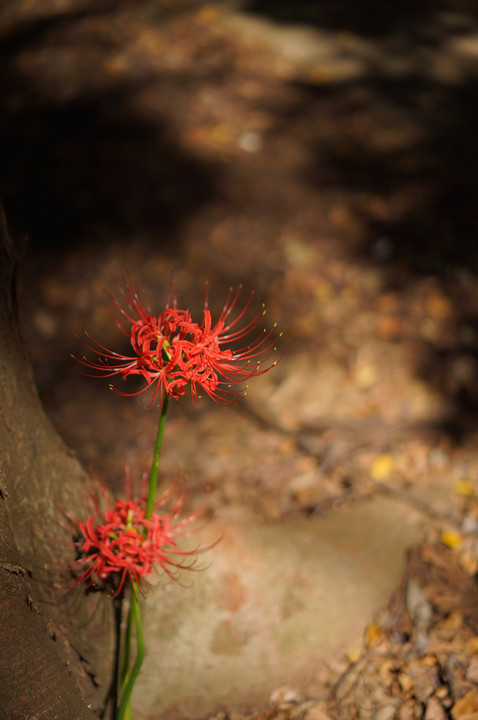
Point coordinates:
pixel 435 710
pixel 386 712
pixel 272 602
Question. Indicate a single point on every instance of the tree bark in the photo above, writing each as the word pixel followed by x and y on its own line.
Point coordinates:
pixel 51 663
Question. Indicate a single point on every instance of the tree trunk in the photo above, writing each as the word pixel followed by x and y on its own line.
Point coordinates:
pixel 51 663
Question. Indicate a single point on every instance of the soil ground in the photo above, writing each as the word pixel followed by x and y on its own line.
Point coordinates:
pixel 324 155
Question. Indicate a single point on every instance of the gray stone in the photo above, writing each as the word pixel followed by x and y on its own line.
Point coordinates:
pixel 271 601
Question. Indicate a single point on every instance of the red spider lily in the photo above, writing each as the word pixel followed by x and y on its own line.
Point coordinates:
pixel 171 351
pixel 121 544
pixel 211 358
pixel 156 343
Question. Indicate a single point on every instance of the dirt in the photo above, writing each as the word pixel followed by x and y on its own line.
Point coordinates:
pixel 324 155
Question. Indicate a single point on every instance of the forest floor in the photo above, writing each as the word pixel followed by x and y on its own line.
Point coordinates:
pixel 324 156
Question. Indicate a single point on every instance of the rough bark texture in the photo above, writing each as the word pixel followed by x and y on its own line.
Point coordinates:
pixel 49 655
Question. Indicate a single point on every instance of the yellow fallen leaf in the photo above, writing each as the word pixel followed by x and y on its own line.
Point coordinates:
pixel 464 487
pixel 373 635
pixel 382 467
pixel 451 538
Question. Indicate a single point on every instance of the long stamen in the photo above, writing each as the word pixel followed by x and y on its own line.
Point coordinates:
pixel 171 351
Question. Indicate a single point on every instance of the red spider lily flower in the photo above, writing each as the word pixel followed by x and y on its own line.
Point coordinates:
pixel 212 358
pixel 156 342
pixel 170 351
pixel 121 545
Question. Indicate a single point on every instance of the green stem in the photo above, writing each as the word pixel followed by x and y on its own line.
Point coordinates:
pixel 134 615
pixel 124 712
pixel 127 642
pixel 153 476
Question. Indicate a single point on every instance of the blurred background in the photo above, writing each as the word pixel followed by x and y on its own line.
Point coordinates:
pixel 321 152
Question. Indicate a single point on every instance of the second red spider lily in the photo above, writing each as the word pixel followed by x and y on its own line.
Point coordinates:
pixel 170 351
pixel 121 546
pixel 117 550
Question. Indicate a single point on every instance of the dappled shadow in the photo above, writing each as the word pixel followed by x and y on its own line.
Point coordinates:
pixel 79 159
pixel 429 184
pixel 393 142
pixel 400 120
pixel 415 200
pixel 387 109
pixel 90 164
pixel 364 18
